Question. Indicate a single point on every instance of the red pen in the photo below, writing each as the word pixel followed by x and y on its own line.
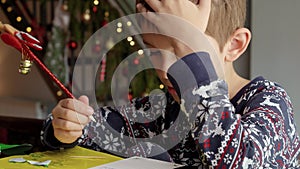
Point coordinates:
pixel 21 45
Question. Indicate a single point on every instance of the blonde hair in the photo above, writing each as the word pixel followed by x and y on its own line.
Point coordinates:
pixel 226 16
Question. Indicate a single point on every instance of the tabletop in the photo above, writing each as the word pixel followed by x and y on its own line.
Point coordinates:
pixel 73 158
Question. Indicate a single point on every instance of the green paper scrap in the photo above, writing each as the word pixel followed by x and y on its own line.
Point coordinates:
pixel 7 146
pixel 14 149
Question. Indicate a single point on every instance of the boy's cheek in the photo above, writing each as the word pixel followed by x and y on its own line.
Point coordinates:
pixel 215 44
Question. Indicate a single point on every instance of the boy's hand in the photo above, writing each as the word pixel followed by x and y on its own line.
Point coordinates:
pixel 69 118
pixel 197 13
pixel 182 21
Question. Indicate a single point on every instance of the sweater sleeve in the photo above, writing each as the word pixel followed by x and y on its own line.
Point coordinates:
pixel 103 135
pixel 258 137
pixel 48 139
pixel 119 130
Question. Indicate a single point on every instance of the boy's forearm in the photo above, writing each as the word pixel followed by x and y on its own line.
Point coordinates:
pixel 205 98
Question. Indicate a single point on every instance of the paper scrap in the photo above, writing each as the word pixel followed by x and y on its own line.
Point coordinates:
pixel 44 163
pixel 17 160
pixel 138 163
pixel 22 160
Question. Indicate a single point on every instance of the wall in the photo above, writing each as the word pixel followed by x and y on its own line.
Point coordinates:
pixel 276 43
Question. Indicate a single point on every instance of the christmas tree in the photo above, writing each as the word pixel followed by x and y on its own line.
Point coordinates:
pixel 74 23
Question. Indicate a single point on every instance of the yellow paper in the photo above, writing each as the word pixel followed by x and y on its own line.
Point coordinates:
pixel 73 158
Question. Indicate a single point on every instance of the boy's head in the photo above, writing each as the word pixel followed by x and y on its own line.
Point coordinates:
pixel 226 16
pixel 225 32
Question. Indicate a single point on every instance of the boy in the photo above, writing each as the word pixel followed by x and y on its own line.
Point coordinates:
pixel 230 123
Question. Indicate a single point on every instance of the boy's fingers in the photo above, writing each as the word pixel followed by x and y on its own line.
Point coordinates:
pixel 84 99
pixel 70 115
pixel 8 28
pixel 140 7
pixel 1 26
pixel 204 5
pixel 66 125
pixel 154 4
pixel 77 106
pixel 67 136
pixel 195 1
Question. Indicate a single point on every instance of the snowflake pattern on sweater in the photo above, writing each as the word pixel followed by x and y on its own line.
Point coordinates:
pixel 255 129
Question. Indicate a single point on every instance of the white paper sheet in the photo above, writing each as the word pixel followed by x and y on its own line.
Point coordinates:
pixel 138 163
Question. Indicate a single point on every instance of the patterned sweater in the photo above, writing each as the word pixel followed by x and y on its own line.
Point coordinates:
pixel 255 129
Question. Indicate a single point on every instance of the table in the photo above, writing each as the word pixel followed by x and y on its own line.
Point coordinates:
pixel 73 158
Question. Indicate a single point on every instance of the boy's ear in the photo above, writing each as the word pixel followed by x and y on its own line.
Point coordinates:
pixel 237 44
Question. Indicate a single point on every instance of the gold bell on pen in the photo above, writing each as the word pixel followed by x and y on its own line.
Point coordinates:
pixel 25 64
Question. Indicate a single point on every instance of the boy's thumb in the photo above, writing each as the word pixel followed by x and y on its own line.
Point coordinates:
pixel 84 99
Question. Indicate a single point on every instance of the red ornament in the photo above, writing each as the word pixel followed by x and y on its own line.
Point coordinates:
pixel 136 61
pixel 72 45
pixel 97 48
pixel 104 22
pixel 130 96
pixel 103 69
pixel 95 9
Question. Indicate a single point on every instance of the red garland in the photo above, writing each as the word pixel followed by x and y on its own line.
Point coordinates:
pixel 103 67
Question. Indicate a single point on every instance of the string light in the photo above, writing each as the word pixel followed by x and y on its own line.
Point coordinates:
pixel 132 43
pixel 96 2
pixel 9 9
pixel 129 23
pixel 140 52
pixel 28 29
pixel 129 39
pixel 119 24
pixel 161 86
pixel 19 19
pixel 119 30
pixel 106 14
pixel 65 6
pixel 87 15
pixel 59 93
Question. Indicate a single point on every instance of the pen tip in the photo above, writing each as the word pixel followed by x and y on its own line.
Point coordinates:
pixel 92 118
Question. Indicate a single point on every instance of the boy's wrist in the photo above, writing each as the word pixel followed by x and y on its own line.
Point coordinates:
pixel 181 49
